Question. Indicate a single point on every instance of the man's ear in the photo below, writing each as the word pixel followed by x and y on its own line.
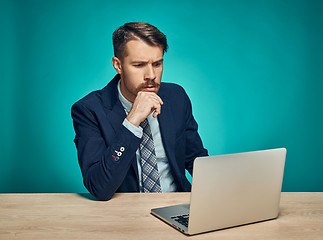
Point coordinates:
pixel 116 64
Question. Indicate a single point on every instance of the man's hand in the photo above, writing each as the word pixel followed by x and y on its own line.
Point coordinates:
pixel 144 104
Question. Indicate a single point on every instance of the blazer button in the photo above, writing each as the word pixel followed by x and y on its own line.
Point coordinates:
pixel 118 153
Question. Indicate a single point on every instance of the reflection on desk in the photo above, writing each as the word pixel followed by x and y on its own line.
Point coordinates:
pixel 127 216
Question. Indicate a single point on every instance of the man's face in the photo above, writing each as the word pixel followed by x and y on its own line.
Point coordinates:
pixel 141 69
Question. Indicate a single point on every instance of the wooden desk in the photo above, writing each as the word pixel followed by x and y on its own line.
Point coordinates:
pixel 127 216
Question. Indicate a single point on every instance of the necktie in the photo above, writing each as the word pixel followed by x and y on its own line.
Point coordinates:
pixel 150 175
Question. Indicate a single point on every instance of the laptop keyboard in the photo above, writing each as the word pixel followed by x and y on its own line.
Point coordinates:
pixel 182 219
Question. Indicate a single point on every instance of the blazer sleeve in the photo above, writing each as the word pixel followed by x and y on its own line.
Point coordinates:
pixel 104 162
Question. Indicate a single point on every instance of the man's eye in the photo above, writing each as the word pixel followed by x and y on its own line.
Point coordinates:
pixel 157 64
pixel 138 65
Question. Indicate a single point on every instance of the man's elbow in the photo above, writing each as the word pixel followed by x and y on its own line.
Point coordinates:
pixel 102 197
pixel 100 194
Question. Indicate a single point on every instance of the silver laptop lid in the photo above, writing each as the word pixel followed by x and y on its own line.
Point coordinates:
pixel 235 189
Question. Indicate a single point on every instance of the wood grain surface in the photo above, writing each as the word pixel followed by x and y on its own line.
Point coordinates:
pixel 127 216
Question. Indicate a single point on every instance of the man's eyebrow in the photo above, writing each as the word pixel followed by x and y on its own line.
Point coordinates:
pixel 160 60
pixel 139 61
pixel 143 61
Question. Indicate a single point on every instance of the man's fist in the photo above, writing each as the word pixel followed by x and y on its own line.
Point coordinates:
pixel 144 104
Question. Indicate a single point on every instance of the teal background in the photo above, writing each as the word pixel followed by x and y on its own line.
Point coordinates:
pixel 253 71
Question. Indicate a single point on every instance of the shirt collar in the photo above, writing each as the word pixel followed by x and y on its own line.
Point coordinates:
pixel 127 105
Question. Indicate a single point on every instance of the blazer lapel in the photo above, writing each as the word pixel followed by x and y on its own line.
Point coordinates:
pixel 112 104
pixel 167 130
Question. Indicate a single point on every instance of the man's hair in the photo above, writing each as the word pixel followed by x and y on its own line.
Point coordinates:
pixel 137 31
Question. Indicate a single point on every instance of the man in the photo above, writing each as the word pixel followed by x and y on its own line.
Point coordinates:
pixel 136 134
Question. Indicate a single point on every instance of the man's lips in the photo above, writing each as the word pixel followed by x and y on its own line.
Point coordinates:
pixel 149 88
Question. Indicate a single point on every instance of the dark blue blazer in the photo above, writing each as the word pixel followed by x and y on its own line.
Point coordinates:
pixel 97 120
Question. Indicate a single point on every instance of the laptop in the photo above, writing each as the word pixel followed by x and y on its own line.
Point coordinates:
pixel 229 190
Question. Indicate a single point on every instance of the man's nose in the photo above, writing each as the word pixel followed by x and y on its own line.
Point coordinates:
pixel 150 73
